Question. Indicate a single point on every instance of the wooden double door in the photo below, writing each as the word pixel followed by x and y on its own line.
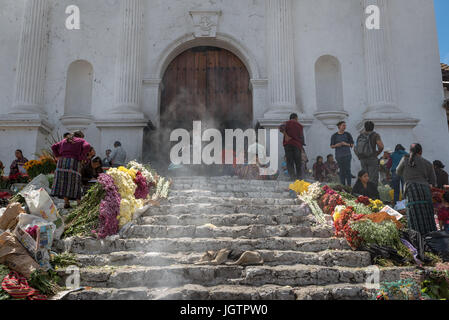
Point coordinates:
pixel 208 84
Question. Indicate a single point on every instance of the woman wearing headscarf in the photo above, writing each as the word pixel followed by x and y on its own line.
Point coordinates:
pixel 70 153
pixel 419 176
pixel 442 176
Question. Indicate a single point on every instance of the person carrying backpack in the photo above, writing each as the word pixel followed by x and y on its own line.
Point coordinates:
pixel 368 147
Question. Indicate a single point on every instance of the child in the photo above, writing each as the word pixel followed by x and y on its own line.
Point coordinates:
pixel 319 169
pixel 331 169
pixel 443 213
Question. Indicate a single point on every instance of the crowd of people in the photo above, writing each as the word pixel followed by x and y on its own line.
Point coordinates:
pixel 408 173
pixel 77 168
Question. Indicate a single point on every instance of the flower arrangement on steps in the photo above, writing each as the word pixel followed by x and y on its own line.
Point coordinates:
pixel 363 222
pixel 112 202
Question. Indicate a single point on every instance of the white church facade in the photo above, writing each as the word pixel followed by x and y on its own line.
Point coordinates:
pixel 168 62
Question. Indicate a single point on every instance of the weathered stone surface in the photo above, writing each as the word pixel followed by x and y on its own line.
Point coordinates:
pixel 155 258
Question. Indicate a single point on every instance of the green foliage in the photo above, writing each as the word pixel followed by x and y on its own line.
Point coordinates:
pixel 64 260
pixel 84 218
pixel 382 234
pixel 436 286
pixel 45 282
pixel 18 198
pixel 359 208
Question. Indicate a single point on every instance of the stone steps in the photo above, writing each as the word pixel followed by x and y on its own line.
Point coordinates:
pixel 155 258
pixel 227 220
pixel 250 232
pixel 170 245
pixel 188 292
pixel 343 258
pixel 229 201
pixel 229 194
pixel 211 208
pixel 228 292
pixel 231 188
pixel 178 275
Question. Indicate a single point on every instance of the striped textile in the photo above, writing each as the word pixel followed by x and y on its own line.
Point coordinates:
pixel 17 287
pixel 67 183
pixel 420 212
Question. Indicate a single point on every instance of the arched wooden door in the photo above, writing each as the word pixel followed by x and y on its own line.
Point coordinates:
pixel 208 84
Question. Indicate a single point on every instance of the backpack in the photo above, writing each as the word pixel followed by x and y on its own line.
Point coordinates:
pixel 364 148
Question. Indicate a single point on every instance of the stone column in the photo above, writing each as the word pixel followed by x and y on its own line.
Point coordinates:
pixel 126 122
pixel 129 67
pixel 281 70
pixel 31 66
pixel 380 93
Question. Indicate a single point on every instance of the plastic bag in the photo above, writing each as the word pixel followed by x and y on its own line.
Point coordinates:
pixel 41 205
pixel 38 248
pixel 41 181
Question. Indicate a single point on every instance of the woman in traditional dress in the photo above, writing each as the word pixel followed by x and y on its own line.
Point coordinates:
pixel 419 176
pixel 17 165
pixel 70 153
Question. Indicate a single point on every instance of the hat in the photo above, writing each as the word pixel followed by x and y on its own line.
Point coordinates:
pixel 388 150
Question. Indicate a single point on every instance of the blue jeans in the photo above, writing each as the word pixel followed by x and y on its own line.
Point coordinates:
pixel 344 163
pixel 397 183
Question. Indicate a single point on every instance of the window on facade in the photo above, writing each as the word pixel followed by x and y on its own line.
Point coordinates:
pixel 78 100
pixel 329 86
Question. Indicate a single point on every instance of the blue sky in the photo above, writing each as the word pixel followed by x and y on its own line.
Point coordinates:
pixel 442 9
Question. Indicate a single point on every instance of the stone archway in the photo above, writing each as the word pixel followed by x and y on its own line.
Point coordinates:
pixel 208 84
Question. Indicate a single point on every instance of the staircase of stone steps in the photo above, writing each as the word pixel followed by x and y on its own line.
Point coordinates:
pixel 155 258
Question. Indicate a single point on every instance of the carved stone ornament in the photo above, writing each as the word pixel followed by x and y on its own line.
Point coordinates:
pixel 205 23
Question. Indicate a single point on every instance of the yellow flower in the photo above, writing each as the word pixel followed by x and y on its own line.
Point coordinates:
pixel 300 186
pixel 132 173
pixel 337 212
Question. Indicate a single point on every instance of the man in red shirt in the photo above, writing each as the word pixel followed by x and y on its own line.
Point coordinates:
pixel 293 146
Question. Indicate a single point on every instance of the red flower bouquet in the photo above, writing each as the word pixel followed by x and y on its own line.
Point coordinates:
pixel 363 200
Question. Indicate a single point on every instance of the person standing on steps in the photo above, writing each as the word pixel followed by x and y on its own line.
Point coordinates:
pixel 294 142
pixel 342 142
pixel 397 182
pixel 70 152
pixel 419 176
pixel 368 148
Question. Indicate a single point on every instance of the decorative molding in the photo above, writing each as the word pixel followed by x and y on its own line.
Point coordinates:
pixel 76 122
pixel 152 82
pixel 259 82
pixel 205 23
pixel 25 121
pixel 121 123
pixel 305 121
pixel 331 118
pixel 406 123
pixel 188 41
